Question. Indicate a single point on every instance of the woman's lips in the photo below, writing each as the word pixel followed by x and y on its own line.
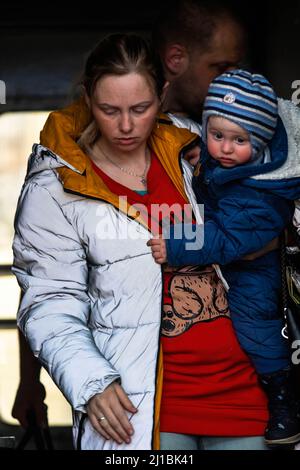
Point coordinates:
pixel 127 141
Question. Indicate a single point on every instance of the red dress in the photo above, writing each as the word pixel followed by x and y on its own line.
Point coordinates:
pixel 209 384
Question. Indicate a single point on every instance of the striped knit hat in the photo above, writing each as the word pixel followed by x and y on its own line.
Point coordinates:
pixel 247 100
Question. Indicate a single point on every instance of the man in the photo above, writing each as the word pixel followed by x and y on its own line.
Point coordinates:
pixel 197 41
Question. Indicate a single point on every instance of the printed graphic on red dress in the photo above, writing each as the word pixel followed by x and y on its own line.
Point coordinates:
pixel 192 296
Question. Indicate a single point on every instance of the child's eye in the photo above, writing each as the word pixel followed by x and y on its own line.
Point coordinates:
pixel 240 140
pixel 217 135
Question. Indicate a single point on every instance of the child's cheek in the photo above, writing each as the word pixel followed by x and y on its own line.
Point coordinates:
pixel 213 148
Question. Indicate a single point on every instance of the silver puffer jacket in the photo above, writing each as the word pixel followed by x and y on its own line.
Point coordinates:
pixel 91 309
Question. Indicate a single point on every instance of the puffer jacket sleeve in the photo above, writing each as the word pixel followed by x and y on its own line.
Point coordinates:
pixel 239 227
pixel 51 268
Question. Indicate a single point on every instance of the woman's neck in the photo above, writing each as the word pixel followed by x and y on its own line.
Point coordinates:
pixel 135 158
pixel 128 169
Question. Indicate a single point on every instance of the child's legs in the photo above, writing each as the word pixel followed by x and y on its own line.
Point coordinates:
pixel 254 305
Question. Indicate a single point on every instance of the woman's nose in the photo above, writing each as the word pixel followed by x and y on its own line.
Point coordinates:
pixel 126 123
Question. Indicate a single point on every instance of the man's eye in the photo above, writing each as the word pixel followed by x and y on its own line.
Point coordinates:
pixel 223 68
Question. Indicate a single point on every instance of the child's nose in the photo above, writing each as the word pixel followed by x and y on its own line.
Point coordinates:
pixel 227 146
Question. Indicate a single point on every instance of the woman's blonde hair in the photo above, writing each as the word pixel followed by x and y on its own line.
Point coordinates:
pixel 119 54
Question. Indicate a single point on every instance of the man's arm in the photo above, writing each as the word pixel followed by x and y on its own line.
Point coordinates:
pixel 272 245
pixel 31 392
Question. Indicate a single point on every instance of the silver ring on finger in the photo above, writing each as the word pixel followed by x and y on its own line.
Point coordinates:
pixel 101 419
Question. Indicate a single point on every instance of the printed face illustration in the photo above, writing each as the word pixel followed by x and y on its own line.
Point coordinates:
pixel 195 297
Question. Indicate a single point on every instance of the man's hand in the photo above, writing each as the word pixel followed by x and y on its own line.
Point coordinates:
pixel 30 397
pixel 159 250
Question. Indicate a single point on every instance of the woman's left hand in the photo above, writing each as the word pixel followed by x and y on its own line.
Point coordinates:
pixel 107 413
pixel 159 250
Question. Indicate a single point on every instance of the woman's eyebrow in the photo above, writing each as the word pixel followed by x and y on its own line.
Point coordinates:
pixel 107 105
pixel 140 103
pixel 143 103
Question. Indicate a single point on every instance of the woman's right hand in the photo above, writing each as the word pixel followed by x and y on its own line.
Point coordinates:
pixel 106 412
pixel 193 155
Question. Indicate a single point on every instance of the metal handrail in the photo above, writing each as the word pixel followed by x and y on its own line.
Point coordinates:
pixel 6 323
pixel 5 269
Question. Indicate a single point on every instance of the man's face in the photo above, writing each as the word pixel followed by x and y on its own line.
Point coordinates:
pixel 225 53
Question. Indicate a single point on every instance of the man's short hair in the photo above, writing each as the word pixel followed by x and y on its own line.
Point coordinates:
pixel 192 22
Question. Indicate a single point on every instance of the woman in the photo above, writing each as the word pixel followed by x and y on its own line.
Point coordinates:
pixel 93 294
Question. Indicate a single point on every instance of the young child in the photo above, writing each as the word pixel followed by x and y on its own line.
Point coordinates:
pixel 244 143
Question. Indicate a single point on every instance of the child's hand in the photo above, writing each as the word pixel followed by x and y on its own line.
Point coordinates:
pixel 193 156
pixel 159 250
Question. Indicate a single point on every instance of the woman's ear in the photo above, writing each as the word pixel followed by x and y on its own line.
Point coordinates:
pixel 87 99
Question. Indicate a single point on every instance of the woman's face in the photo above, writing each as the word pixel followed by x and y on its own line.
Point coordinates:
pixel 124 108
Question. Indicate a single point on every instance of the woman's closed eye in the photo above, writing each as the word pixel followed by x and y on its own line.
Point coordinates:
pixel 109 111
pixel 140 109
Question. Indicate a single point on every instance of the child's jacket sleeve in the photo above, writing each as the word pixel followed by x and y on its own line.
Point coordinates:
pixel 239 227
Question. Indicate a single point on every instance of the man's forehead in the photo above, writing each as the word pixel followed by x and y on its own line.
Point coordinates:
pixel 227 57
pixel 228 38
pixel 222 56
pixel 226 46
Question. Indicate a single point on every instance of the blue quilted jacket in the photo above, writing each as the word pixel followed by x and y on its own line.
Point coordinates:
pixel 243 213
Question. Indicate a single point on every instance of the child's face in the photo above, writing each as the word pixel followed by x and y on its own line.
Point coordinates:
pixel 227 142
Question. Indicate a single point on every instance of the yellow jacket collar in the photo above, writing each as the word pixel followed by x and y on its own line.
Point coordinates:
pixel 63 128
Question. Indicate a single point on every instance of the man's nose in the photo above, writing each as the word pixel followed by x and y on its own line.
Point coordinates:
pixel 126 123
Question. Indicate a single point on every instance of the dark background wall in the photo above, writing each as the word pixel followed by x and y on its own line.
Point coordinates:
pixel 275 40
pixel 43 47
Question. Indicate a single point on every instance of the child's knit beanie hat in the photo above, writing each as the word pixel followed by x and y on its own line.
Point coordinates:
pixel 246 99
